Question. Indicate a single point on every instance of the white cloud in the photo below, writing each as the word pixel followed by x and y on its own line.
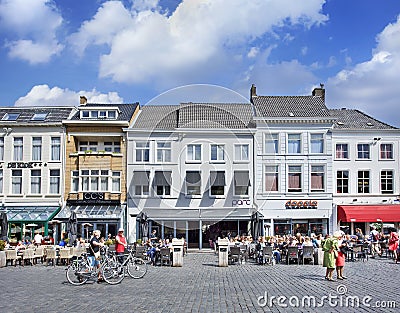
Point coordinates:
pixel 372 86
pixel 253 52
pixel 31 24
pixel 149 46
pixel 43 95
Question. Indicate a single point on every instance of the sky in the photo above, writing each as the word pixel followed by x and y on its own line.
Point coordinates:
pixel 159 51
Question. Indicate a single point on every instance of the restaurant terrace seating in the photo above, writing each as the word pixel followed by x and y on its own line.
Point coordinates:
pixel 12 256
pixel 28 256
pixel 234 255
pixel 308 254
pixel 165 256
pixel 292 254
pixel 39 254
pixel 51 256
pixel 65 255
pixel 267 255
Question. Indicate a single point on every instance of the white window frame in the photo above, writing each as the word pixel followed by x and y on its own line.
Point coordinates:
pixel 112 146
pixel 362 151
pixel 275 173
pixel 364 179
pixel 271 140
pixel 18 148
pixel 88 146
pixel 164 151
pixel 290 140
pixel 142 151
pixel 16 180
pixel 75 186
pixel 54 180
pixel 240 153
pixel 194 152
pixel 347 152
pixel 55 150
pixel 36 181
pixel 320 140
pixel 319 172
pixel 36 148
pixel 383 153
pixel 219 152
pixel 389 180
pixel 342 179
pixel 300 178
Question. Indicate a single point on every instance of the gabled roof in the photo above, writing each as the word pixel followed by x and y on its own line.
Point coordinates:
pixel 355 119
pixel 51 115
pixel 290 107
pixel 195 115
pixel 126 110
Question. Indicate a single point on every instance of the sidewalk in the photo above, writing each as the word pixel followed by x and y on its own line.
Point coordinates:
pixel 201 286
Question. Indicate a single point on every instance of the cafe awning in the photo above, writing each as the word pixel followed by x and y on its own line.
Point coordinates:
pixel 104 211
pixel 369 213
pixel 31 213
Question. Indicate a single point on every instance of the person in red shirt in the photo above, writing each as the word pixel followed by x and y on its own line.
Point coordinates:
pixel 120 245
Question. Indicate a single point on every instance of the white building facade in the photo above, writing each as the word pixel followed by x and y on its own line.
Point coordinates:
pixel 190 172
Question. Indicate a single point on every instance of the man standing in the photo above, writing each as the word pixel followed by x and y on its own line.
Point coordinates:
pixel 120 245
pixel 374 238
pixel 38 239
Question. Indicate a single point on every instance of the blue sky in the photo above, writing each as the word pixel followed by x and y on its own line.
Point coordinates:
pixel 53 51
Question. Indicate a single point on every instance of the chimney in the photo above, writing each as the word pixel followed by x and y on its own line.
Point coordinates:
pixel 319 92
pixel 83 100
pixel 253 91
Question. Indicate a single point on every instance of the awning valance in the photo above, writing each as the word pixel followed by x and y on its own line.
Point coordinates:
pixel 369 213
pixel 162 179
pixel 107 211
pixel 199 213
pixel 242 178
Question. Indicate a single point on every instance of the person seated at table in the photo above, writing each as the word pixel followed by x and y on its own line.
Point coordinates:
pixel 62 243
pixel 359 235
pixel 20 246
pixel 275 249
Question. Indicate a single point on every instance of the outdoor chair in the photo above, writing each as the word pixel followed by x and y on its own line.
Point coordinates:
pixel 267 256
pixel 28 256
pixel 234 255
pixel 165 256
pixel 244 253
pixel 51 256
pixel 360 253
pixel 13 257
pixel 39 254
pixel 384 248
pixel 308 254
pixel 65 255
pixel 292 254
pixel 140 252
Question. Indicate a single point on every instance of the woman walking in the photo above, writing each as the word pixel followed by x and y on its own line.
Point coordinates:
pixel 330 248
pixel 341 256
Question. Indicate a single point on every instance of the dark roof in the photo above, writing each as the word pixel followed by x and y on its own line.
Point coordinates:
pixel 54 114
pixel 290 106
pixel 196 115
pixel 126 110
pixel 355 119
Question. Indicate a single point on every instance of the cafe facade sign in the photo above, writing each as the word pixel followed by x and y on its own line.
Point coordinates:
pixel 301 204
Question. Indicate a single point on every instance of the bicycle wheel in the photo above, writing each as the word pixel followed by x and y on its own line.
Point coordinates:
pixel 78 273
pixel 136 268
pixel 112 271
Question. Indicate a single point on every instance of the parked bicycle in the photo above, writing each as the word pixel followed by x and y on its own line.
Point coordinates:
pixel 135 267
pixel 81 270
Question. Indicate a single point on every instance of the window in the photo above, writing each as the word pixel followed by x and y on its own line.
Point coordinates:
pixel 194 152
pixel 55 180
pixel 116 181
pixel 363 151
pixel 162 183
pixel 342 182
pixel 10 117
pixel 271 143
pixel 342 151
pixel 55 148
pixel 386 151
pixel 142 152
pixel 317 178
pixel 317 143
pixel 36 148
pixel 242 183
pixel 294 143
pixel 16 182
pixel 217 183
pixel 39 117
pixel 1 181
pixel 1 148
pixel 241 152
pixel 217 153
pixel 387 182
pixel 163 152
pixel 193 183
pixel 141 182
pixel 97 180
pixel 88 146
pixel 75 181
pixel 101 114
pixel 271 178
pixel 363 182
pixel 18 148
pixel 294 178
pixel 36 181
pixel 112 146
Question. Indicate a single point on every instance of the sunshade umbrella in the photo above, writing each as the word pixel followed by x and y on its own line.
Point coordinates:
pixel 4 225
pixel 72 227
pixel 144 226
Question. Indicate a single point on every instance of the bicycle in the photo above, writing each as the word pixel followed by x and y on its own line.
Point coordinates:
pixel 81 270
pixel 134 266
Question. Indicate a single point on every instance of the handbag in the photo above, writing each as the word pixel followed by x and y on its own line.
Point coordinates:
pixel 335 254
pixel 96 254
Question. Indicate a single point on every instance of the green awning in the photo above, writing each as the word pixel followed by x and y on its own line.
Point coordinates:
pixel 31 213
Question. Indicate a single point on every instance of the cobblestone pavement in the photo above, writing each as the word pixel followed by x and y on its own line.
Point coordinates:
pixel 201 286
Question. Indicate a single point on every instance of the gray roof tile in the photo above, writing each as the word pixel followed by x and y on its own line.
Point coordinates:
pixel 126 110
pixel 355 119
pixel 290 106
pixel 54 114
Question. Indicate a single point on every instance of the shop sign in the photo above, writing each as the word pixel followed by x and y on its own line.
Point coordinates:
pixel 93 196
pixel 301 204
pixel 241 202
pixel 24 164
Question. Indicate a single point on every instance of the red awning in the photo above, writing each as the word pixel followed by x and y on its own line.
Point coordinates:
pixel 369 213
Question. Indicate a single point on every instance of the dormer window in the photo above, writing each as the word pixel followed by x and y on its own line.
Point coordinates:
pixel 98 114
pixel 10 117
pixel 39 117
